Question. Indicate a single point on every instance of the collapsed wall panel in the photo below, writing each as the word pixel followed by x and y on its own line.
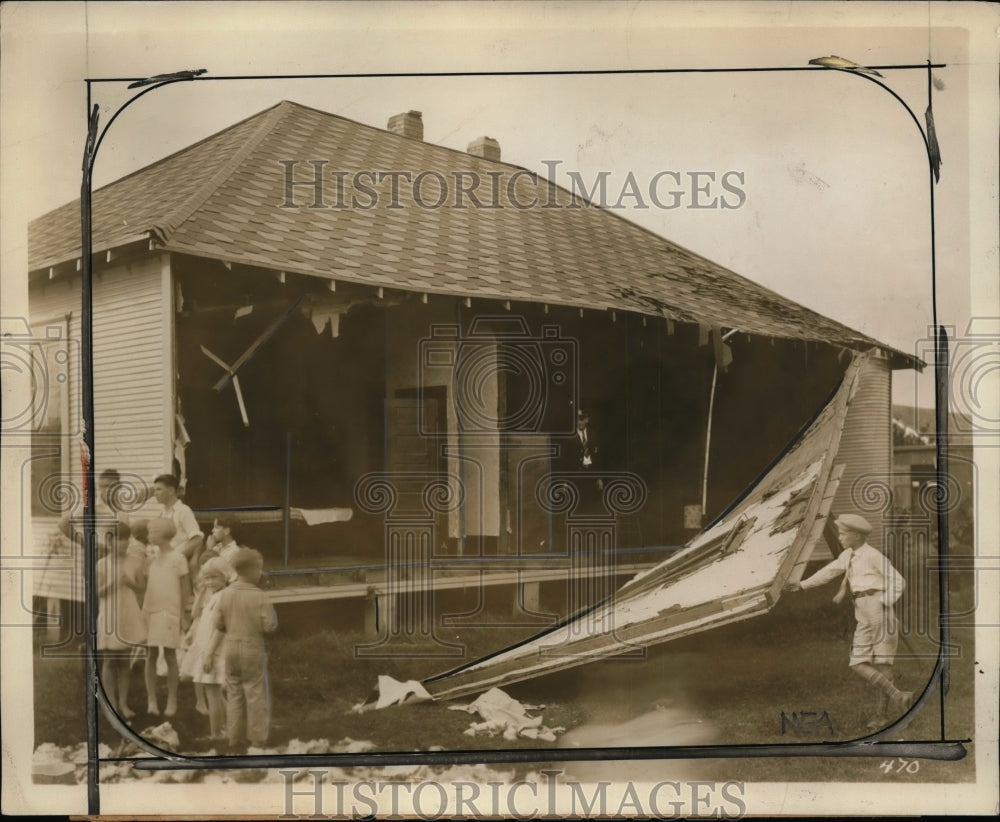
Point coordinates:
pixel 733 570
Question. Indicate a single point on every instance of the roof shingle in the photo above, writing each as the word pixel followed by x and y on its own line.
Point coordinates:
pixel 222 197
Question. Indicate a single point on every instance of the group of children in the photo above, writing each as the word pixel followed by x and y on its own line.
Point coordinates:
pixel 146 600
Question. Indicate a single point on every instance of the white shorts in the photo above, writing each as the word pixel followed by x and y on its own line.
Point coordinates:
pixel 877 634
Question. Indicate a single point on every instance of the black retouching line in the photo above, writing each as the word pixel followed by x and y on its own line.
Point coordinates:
pixel 87 410
pixel 512 73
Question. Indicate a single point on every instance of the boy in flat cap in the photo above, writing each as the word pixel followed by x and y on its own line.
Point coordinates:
pixel 875 587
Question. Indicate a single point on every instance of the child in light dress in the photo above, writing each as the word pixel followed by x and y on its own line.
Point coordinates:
pixel 165 608
pixel 208 682
pixel 120 626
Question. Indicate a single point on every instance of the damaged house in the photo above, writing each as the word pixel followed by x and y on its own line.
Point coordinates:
pixel 330 353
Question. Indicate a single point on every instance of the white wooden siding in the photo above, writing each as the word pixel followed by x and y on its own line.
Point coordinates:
pixel 133 367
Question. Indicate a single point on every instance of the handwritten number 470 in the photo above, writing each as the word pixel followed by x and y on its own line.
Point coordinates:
pixel 897 766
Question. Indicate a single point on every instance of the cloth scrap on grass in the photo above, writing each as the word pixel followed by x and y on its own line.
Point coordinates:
pixel 393 692
pixel 504 714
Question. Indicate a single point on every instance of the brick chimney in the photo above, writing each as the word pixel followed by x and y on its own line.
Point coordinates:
pixel 408 124
pixel 485 147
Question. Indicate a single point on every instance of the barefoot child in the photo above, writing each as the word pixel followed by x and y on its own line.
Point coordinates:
pixel 120 626
pixel 208 681
pixel 168 593
pixel 245 614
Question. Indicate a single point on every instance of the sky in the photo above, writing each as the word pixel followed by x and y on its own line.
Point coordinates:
pixel 835 213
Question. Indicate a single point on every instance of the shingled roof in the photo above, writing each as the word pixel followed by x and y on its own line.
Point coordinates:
pixel 221 198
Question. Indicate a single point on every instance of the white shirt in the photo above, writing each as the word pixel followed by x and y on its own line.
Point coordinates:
pixel 870 570
pixel 183 519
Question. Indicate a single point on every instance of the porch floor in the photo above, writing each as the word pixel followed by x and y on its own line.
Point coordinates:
pixel 303 580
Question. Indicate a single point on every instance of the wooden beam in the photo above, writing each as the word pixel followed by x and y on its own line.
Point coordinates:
pixel 256 344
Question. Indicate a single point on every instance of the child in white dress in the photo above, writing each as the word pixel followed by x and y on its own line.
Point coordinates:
pixel 120 626
pixel 208 684
pixel 164 607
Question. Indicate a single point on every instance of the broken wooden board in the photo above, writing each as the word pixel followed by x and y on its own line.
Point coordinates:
pixel 733 570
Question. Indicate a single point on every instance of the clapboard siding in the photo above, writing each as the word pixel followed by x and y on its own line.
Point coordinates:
pixel 866 450
pixel 131 364
pixel 132 376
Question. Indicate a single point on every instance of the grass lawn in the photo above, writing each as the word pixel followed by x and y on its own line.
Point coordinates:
pixel 735 681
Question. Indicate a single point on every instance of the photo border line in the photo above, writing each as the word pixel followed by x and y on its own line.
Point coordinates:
pixel 942 749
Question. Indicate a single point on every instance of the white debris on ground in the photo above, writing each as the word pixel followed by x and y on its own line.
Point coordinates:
pixel 502 714
pixel 62 765
pixel 163 736
pixel 68 765
pixel 393 692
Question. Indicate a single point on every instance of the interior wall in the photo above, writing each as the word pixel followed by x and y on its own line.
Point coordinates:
pixel 646 386
pixel 423 341
pixel 313 403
